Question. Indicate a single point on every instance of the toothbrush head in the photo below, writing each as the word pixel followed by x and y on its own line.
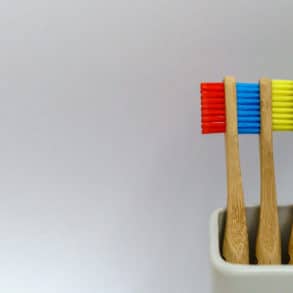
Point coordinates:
pixel 282 105
pixel 213 118
pixel 248 108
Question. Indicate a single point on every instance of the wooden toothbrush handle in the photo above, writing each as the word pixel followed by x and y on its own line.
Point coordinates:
pixel 235 243
pixel 290 247
pixel 268 243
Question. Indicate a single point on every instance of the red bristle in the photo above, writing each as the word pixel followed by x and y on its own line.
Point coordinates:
pixel 206 130
pixel 213 123
pixel 213 101
pixel 217 91
pixel 212 86
pixel 212 90
pixel 213 119
pixel 212 112
pixel 208 106
pixel 213 95
pixel 210 131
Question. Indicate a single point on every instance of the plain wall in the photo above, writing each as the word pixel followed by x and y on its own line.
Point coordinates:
pixel 106 184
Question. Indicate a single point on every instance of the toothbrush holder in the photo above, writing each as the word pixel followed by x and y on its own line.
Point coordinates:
pixel 234 278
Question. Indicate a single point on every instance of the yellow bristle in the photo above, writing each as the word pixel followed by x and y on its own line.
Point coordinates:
pixel 282 105
pixel 282 110
pixel 281 84
pixel 282 127
pixel 282 116
pixel 281 92
pixel 282 122
pixel 282 98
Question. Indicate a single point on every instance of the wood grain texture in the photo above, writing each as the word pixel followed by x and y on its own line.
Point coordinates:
pixel 290 247
pixel 235 243
pixel 268 242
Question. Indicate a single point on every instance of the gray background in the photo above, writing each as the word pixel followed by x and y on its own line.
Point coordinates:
pixel 106 184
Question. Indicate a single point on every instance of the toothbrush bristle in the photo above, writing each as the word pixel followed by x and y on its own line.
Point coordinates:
pixel 213 118
pixel 282 105
pixel 248 108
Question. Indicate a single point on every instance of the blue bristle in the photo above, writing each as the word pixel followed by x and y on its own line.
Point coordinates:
pixel 248 108
pixel 242 113
pixel 246 96
pixel 248 124
pixel 248 85
pixel 248 119
pixel 250 101
pixel 248 130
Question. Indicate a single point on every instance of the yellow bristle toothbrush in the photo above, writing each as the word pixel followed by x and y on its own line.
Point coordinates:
pixel 235 243
pixel 268 243
pixel 283 120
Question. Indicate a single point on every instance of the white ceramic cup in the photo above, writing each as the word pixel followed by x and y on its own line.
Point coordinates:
pixel 233 278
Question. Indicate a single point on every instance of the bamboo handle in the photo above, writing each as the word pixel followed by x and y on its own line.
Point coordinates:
pixel 268 243
pixel 290 247
pixel 235 244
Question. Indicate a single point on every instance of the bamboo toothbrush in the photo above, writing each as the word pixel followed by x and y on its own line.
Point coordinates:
pixel 282 95
pixel 235 244
pixel 268 243
pixel 219 114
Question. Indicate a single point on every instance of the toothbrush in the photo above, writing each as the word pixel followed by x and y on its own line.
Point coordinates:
pixel 268 242
pixel 219 115
pixel 282 95
pixel 235 243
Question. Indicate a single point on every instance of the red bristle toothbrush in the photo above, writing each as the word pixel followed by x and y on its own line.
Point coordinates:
pixel 219 114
